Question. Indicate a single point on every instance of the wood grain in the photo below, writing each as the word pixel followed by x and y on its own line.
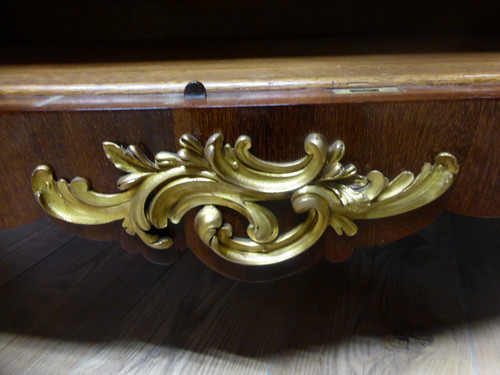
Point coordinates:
pixel 54 288
pixel 42 103
pixel 421 305
pixel 481 308
pixel 60 112
pixel 269 73
pixel 390 136
pixel 34 241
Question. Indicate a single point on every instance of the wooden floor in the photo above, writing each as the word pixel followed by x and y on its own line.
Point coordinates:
pixel 429 304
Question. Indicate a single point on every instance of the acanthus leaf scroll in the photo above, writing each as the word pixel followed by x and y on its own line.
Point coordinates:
pixel 157 192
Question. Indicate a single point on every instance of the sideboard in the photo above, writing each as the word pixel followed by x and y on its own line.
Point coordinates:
pixel 260 154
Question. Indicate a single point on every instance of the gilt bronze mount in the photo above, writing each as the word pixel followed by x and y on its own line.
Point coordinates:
pixel 157 192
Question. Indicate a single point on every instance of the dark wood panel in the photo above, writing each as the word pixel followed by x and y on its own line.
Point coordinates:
pixel 71 143
pixel 481 163
pixel 387 136
pixel 379 136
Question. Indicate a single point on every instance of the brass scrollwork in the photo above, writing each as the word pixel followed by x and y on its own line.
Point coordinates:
pixel 156 192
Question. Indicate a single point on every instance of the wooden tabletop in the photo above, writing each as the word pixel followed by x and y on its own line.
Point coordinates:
pixel 251 74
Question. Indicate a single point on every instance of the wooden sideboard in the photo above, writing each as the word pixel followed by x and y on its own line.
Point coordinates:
pixel 395 101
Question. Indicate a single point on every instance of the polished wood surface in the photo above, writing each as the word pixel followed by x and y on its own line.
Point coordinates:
pixel 251 74
pixel 390 136
pixel 59 100
pixel 242 98
pixel 428 304
pixel 378 135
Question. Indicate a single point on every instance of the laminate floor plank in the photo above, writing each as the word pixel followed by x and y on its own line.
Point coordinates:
pixel 408 319
pixel 133 334
pixel 477 243
pixel 12 235
pixel 294 318
pixel 429 304
pixel 177 313
pixel 69 297
pixel 21 248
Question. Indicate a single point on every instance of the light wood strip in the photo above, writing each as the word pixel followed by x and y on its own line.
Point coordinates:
pixel 242 98
pixel 250 74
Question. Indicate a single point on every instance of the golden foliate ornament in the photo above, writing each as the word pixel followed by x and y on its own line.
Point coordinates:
pixel 156 192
